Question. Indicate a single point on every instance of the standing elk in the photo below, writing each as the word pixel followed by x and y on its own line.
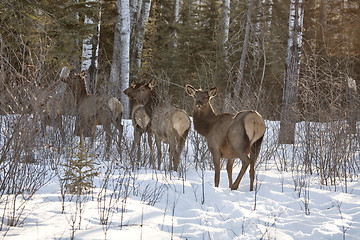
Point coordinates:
pixel 94 109
pixel 54 104
pixel 141 123
pixel 51 114
pixel 228 136
pixel 167 123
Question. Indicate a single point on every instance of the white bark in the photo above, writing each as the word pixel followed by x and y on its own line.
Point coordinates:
pixel 120 69
pixel 225 28
pixel 135 10
pixel 139 36
pixel 292 70
pixel 90 53
pixel 176 20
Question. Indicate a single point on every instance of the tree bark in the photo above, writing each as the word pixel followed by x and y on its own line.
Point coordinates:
pixel 176 20
pixel 90 53
pixel 139 37
pixel 120 68
pixel 225 22
pixel 240 75
pixel 292 69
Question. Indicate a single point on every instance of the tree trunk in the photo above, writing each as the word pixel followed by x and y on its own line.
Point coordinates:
pixel 139 37
pixel 90 53
pixel 292 69
pixel 120 68
pixel 240 75
pixel 225 22
pixel 353 111
pixel 135 9
pixel 176 20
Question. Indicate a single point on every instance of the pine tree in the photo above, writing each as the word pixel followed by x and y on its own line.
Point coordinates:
pixel 79 171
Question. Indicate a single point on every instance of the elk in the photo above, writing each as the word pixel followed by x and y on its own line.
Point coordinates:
pixel 141 123
pixel 52 109
pixel 228 136
pixel 168 124
pixel 94 109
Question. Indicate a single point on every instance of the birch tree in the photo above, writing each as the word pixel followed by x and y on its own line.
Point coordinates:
pixel 292 70
pixel 225 26
pixel 90 50
pixel 176 21
pixel 120 68
pixel 139 37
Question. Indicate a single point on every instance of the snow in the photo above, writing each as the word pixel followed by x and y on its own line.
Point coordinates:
pixel 170 205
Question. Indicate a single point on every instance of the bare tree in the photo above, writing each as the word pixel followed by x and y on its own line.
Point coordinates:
pixel 240 75
pixel 139 36
pixel 292 69
pixel 225 23
pixel 176 20
pixel 90 50
pixel 120 68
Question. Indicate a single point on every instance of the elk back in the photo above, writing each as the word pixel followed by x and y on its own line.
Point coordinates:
pixel 169 121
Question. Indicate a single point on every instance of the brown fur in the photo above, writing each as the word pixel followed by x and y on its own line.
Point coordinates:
pixel 169 124
pixel 94 110
pixel 228 136
pixel 52 105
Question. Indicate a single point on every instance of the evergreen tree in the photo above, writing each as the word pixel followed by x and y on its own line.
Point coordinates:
pixel 79 171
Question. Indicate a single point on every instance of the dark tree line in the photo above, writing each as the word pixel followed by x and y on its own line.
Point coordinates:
pixel 239 45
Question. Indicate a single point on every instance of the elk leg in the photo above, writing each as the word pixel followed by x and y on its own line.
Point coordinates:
pixel 120 128
pixel 149 135
pixel 92 134
pixel 229 168
pixel 136 143
pixel 255 149
pixel 108 136
pixel 176 159
pixel 244 166
pixel 158 147
pixel 216 161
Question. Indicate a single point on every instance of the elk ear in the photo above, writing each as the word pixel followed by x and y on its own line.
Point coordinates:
pixel 212 92
pixel 83 74
pixel 132 84
pixel 64 73
pixel 190 90
pixel 152 84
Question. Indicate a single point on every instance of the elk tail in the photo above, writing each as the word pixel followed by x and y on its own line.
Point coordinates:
pixel 180 121
pixel 254 126
pixel 115 106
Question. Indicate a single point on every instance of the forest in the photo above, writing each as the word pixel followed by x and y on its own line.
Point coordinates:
pixel 296 62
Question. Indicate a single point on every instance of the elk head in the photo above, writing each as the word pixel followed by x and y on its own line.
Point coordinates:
pixel 77 83
pixel 201 98
pixel 141 92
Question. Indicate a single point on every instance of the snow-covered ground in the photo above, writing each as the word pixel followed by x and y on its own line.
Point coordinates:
pixel 153 204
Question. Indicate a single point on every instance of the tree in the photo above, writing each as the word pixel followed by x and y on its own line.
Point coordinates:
pixel 120 69
pixel 139 37
pixel 292 70
pixel 240 75
pixel 90 49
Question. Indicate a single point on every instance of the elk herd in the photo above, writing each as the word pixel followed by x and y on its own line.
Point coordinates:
pixel 228 136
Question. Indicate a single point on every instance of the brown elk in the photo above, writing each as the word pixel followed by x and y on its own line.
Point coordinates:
pixel 94 109
pixel 228 136
pixel 167 123
pixel 52 108
pixel 141 123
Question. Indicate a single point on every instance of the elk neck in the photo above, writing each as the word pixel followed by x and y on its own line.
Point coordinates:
pixel 151 103
pixel 204 119
pixel 81 94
